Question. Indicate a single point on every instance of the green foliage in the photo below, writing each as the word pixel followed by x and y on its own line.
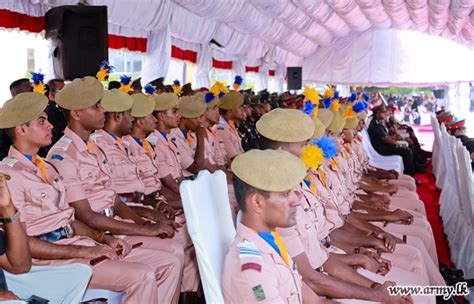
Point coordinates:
pixel 399 91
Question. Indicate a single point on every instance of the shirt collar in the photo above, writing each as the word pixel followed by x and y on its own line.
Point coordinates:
pixel 77 141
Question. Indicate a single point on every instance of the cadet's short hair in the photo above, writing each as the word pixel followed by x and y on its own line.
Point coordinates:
pixel 266 143
pixel 114 85
pixel 242 190
pixel 15 86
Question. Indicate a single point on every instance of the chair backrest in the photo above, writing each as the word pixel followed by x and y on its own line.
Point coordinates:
pixel 466 184
pixel 394 162
pixel 209 222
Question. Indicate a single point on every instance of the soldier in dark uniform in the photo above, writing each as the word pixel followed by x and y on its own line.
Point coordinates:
pixel 384 144
pixel 247 129
pixel 55 114
pixel 458 130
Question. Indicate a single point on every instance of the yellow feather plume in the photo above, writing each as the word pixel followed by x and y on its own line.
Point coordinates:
pixel 102 74
pixel 176 89
pixel 215 89
pixel 39 88
pixel 336 105
pixel 329 93
pixel 349 112
pixel 312 156
pixel 312 95
pixel 126 87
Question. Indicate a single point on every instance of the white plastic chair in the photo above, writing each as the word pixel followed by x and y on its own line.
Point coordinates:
pixel 111 296
pixel 393 162
pixel 209 221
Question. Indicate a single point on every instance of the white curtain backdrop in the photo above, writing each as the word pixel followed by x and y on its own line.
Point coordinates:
pixel 390 57
pixel 158 56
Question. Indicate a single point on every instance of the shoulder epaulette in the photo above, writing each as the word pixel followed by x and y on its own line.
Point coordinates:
pixel 62 144
pixel 9 161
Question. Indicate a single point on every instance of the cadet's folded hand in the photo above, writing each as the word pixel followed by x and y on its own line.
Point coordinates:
pixel 118 244
pixel 161 230
pixel 388 239
pixel 404 217
pixel 97 251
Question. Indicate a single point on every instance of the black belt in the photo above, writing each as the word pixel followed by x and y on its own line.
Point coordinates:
pixel 65 232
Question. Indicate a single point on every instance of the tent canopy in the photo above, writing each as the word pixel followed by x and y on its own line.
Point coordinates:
pixel 335 40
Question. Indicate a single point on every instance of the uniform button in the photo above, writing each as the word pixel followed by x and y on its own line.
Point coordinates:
pixel 89 174
pixel 43 195
pixel 293 292
pixel 307 226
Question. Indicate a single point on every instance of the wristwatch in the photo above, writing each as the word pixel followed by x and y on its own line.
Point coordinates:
pixel 10 219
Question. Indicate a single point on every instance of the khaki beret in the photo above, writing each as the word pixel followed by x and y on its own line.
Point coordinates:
pixel 337 123
pixel 191 107
pixel 201 97
pixel 80 94
pixel 269 170
pixel 320 128
pixel 286 125
pixel 351 123
pixel 231 100
pixel 143 105
pixel 21 109
pixel 116 100
pixel 362 115
pixel 325 116
pixel 165 101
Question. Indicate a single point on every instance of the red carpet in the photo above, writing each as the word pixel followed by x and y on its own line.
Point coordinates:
pixel 429 194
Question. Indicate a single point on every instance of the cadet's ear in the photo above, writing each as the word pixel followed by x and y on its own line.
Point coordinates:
pixel 19 130
pixel 255 202
pixel 74 114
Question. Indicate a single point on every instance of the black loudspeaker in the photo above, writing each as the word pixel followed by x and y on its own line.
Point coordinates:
pixel 79 37
pixel 439 94
pixel 294 75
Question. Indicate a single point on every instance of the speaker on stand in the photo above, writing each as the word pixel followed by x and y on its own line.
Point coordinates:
pixel 79 39
pixel 295 78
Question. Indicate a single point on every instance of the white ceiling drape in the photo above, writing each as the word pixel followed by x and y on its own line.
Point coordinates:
pixel 279 33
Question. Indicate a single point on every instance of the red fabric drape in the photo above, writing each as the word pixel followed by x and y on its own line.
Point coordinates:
pixel 226 65
pixel 251 69
pixel 9 19
pixel 271 73
pixel 12 20
pixel 135 44
pixel 188 55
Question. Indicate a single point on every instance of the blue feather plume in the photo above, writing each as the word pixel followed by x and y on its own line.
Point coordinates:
pixel 221 94
pixel 238 80
pixel 366 97
pixel 37 78
pixel 309 108
pixel 327 102
pixel 124 79
pixel 177 83
pixel 149 89
pixel 327 144
pixel 105 64
pixel 336 95
pixel 353 97
pixel 360 106
pixel 209 97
